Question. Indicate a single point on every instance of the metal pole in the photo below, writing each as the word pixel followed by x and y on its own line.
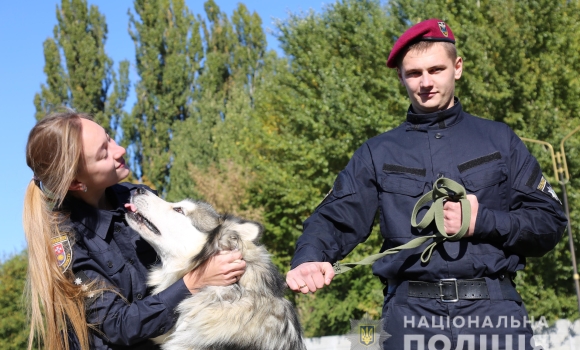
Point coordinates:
pixel 575 276
pixel 562 175
pixel 564 178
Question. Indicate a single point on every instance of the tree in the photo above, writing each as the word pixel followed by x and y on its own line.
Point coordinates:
pixel 519 64
pixel 168 54
pixel 14 328
pixel 223 101
pixel 83 80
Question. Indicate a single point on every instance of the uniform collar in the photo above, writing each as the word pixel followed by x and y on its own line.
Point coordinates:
pixel 437 120
pixel 94 219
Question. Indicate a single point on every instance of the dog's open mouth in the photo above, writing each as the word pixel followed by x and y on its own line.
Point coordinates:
pixel 137 217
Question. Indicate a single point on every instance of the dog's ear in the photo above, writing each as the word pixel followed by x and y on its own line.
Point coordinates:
pixel 248 230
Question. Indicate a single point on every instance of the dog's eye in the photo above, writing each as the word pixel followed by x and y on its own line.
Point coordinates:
pixel 179 210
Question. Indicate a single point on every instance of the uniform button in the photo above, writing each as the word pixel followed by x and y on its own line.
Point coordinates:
pixel 117 228
pixel 438 136
pixel 139 296
pixel 110 263
pixel 162 330
pixel 439 175
pixel 131 261
pixel 501 277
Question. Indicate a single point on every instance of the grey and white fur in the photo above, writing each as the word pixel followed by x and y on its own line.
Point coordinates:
pixel 251 314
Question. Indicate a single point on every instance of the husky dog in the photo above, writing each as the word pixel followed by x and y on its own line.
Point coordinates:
pixel 251 314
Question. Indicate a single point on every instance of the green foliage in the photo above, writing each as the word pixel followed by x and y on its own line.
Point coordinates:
pixel 223 100
pixel 83 80
pixel 14 328
pixel 168 52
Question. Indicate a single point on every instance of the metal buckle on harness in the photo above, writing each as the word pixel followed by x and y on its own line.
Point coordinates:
pixel 454 280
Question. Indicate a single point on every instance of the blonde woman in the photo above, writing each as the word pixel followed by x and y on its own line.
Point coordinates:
pixel 87 269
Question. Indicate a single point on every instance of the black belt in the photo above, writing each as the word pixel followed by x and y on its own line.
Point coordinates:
pixel 450 290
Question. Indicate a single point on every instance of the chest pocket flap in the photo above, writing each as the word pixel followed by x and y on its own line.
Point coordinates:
pixel 484 178
pixel 402 185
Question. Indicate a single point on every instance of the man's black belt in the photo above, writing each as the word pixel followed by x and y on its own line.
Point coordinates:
pixel 451 290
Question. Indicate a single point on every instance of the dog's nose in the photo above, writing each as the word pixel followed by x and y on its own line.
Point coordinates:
pixel 140 190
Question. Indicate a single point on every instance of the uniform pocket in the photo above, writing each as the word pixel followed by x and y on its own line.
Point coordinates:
pixel 402 185
pixel 484 178
pixel 489 185
pixel 398 195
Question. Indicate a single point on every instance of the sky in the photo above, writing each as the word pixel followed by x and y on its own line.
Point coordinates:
pixel 25 25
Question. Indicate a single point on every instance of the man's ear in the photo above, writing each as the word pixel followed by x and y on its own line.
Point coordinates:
pixel 458 68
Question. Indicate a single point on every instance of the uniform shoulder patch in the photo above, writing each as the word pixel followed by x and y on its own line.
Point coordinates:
pixel 63 251
pixel 545 187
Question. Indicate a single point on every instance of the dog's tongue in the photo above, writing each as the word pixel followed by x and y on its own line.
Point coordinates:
pixel 131 207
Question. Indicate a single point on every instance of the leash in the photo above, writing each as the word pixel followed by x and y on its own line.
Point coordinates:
pixel 443 190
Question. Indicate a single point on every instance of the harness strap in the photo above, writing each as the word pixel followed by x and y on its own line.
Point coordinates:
pixel 443 190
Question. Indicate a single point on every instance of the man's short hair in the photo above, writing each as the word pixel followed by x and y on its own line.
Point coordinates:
pixel 422 46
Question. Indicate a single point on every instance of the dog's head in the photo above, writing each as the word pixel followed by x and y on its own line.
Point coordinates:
pixel 173 229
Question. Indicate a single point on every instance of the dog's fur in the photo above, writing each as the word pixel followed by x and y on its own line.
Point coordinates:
pixel 250 314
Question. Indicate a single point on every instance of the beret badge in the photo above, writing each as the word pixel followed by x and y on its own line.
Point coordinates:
pixel 443 28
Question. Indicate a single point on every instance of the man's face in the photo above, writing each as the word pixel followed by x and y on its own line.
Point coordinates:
pixel 429 77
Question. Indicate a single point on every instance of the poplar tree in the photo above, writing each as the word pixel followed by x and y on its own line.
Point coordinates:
pixel 213 143
pixel 168 54
pixel 79 72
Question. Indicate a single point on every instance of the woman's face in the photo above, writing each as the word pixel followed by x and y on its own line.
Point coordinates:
pixel 103 163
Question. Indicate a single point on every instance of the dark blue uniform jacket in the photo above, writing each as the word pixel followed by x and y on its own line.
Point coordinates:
pixel 108 250
pixel 519 214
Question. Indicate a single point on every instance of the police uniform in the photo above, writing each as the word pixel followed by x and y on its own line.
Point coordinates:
pixel 107 250
pixel 519 215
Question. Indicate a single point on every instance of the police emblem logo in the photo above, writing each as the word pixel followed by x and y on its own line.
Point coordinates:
pixel 546 188
pixel 62 251
pixel 443 29
pixel 367 334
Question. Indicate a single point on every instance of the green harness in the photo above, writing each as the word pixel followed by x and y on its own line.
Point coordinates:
pixel 443 190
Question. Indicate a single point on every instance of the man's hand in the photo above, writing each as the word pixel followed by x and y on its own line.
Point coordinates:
pixel 310 276
pixel 452 216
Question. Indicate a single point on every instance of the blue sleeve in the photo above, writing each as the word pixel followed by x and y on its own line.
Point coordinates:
pixel 126 323
pixel 344 218
pixel 535 221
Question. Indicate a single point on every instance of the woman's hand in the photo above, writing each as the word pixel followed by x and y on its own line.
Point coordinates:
pixel 221 270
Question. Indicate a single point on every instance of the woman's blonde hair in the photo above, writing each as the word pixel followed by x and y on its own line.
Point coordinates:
pixel 56 304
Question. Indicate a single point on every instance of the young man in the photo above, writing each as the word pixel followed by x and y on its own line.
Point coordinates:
pixel 464 297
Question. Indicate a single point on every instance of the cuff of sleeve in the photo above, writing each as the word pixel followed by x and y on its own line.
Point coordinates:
pixel 502 222
pixel 485 223
pixel 174 294
pixel 307 254
pixel 491 224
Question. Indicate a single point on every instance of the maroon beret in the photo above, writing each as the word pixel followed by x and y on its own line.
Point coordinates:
pixel 429 30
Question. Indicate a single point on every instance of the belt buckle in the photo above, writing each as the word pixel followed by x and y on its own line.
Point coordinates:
pixel 454 280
